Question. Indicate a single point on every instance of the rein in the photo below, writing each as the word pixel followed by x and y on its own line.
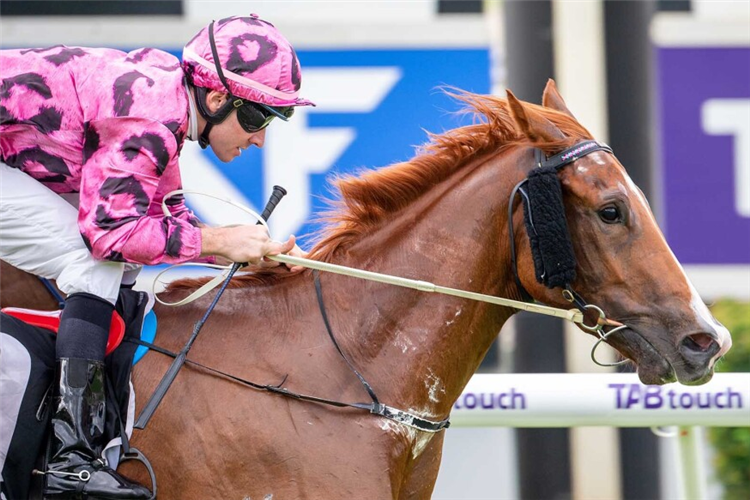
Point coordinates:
pixel 573 315
pixel 168 378
pixel 558 161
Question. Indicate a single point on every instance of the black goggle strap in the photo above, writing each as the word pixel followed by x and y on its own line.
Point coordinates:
pixel 211 118
pixel 217 62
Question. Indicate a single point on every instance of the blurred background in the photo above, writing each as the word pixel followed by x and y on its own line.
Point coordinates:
pixel 665 83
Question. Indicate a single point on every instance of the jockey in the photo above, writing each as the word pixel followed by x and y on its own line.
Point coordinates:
pixel 108 127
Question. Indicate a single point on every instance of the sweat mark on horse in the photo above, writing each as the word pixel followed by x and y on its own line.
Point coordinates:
pixel 440 216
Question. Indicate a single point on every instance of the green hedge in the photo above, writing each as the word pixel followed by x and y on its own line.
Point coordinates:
pixel 732 444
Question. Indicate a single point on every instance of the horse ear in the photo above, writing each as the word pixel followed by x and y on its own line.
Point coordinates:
pixel 532 123
pixel 553 100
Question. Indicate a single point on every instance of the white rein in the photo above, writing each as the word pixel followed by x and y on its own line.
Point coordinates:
pixel 573 315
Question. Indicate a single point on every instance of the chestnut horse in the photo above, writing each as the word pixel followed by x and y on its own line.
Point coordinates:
pixel 442 217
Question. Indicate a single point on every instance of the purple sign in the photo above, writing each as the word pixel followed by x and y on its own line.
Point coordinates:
pixel 511 400
pixel 655 397
pixel 705 105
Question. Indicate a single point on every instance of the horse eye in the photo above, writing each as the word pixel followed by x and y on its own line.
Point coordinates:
pixel 610 214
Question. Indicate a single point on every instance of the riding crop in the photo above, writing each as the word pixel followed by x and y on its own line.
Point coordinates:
pixel 171 373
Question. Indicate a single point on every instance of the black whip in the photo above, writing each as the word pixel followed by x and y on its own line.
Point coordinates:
pixel 166 381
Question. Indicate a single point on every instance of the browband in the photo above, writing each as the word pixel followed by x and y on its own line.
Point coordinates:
pixel 571 154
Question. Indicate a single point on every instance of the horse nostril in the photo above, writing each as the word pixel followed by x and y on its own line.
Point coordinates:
pixel 700 342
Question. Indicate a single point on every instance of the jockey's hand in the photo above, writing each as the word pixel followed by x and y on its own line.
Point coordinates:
pixel 243 244
pixel 296 252
pixel 268 263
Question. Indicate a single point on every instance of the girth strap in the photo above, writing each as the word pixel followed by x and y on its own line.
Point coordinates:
pixel 409 419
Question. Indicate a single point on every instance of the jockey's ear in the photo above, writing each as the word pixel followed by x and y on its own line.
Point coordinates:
pixel 215 100
pixel 553 100
pixel 532 123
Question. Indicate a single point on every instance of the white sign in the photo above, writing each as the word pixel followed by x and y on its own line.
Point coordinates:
pixel 613 399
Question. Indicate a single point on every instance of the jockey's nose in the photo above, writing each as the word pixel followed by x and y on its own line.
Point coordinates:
pixel 258 138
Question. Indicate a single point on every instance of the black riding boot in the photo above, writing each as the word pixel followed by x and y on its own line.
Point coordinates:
pixel 75 469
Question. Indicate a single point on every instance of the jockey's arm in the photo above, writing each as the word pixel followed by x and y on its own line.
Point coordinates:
pixel 122 181
pixel 130 163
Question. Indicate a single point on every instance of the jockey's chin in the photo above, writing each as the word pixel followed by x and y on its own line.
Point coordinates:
pixel 228 156
pixel 228 139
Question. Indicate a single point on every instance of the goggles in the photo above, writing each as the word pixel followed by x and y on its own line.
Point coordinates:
pixel 254 117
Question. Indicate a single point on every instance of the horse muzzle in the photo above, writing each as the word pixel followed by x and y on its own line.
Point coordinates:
pixel 653 366
pixel 699 353
pixel 676 350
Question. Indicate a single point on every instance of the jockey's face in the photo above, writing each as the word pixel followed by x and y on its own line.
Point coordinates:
pixel 228 138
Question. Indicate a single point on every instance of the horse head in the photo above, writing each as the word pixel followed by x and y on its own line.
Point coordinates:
pixel 622 262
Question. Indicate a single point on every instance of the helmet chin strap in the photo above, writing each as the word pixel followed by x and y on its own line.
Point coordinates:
pixel 203 140
pixel 212 119
pixel 192 133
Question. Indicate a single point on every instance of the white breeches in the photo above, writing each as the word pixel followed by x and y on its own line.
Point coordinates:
pixel 39 234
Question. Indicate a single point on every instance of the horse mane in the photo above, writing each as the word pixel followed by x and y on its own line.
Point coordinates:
pixel 372 196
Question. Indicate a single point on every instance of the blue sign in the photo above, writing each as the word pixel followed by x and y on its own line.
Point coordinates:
pixel 374 107
pixel 705 124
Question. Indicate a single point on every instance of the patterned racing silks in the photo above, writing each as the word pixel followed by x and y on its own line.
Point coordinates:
pixel 107 125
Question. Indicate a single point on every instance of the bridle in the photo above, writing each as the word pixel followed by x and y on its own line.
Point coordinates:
pixel 557 162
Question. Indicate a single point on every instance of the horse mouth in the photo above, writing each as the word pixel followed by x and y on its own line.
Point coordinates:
pixel 653 367
pixel 656 367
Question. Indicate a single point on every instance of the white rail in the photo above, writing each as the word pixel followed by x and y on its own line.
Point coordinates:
pixel 614 400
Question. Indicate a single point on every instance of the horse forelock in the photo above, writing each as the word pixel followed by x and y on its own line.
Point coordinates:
pixel 369 197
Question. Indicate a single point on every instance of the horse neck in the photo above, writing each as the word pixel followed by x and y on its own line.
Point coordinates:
pixel 421 349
